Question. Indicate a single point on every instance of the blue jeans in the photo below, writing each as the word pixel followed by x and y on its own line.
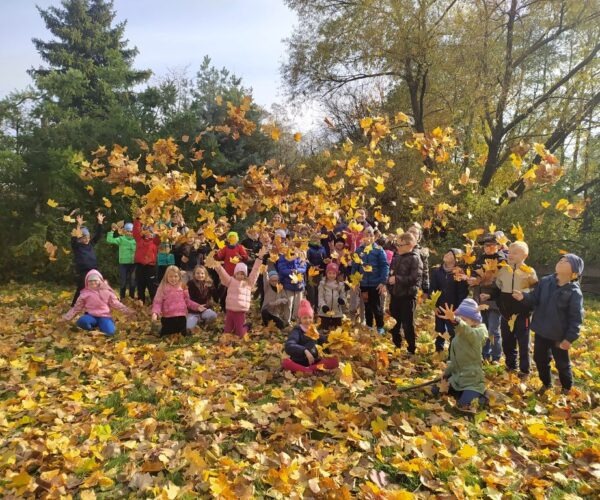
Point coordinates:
pixel 491 318
pixel 89 322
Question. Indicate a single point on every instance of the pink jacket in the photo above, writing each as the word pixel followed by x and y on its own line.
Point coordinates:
pixel 171 301
pixel 239 293
pixel 96 302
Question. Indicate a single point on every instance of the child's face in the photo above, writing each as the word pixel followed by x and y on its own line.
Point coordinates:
pixel 84 240
pixel 232 240
pixel 240 276
pixel 339 246
pixel 306 320
pixel 94 283
pixel 360 216
pixel 367 239
pixel 273 280
pixel 563 268
pixel 331 275
pixel 449 259
pixel 199 275
pixel 516 255
pixel 490 248
pixel 277 220
pixel 404 247
pixel 173 278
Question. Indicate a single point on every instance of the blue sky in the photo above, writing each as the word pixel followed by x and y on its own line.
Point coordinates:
pixel 245 36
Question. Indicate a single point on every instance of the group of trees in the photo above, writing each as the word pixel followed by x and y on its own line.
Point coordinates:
pixel 502 75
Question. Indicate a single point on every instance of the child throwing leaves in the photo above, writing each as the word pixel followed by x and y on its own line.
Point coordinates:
pixel 126 244
pixel 332 297
pixel 464 372
pixel 83 251
pixel 275 301
pixel 171 303
pixel 201 291
pixel 239 292
pixel 557 304
pixel 97 300
pixel 514 324
pixel 301 344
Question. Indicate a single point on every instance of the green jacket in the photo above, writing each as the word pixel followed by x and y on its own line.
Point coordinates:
pixel 465 368
pixel 126 246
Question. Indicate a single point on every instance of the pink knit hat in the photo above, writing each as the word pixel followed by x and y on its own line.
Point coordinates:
pixel 332 267
pixel 305 309
pixel 240 266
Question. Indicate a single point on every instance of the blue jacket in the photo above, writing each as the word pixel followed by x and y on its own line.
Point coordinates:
pixel 557 310
pixel 84 254
pixel 453 292
pixel 315 255
pixel 377 260
pixel 285 268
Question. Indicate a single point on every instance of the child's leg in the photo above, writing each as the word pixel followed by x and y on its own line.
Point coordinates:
pixel 494 330
pixel 328 363
pixel 377 308
pixel 80 283
pixel 396 313
pixel 365 299
pixel 541 355
pixel 106 326
pixel 289 307
pixel 229 322
pixel 239 322
pixel 407 306
pixel 141 282
pixel 208 316
pixel 191 320
pixel 288 364
pixel 523 337
pixel 563 365
pixel 175 324
pixel 509 345
pixel 468 396
pixel 440 328
pixel 122 280
pixel 151 280
pixel 130 279
pixel 87 322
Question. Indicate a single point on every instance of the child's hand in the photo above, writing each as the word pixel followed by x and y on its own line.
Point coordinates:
pixel 80 220
pixel 517 295
pixel 184 259
pixel 100 217
pixel 392 280
pixel 262 252
pixel 382 289
pixel 446 312
pixel 564 345
pixel 114 227
pixel 201 308
pixel 309 356
pixel 472 281
pixel 154 317
pixel 484 297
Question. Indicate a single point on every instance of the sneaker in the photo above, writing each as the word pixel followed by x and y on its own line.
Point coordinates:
pixel 466 409
pixel 381 331
pixel 565 391
pixel 523 375
pixel 494 362
pixel 542 390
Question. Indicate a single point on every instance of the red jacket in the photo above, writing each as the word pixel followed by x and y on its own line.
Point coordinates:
pixel 227 253
pixel 146 249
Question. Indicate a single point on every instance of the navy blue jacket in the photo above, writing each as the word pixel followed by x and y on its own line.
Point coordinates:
pixel 377 260
pixel 557 310
pixel 285 268
pixel 315 255
pixel 298 341
pixel 84 254
pixel 453 292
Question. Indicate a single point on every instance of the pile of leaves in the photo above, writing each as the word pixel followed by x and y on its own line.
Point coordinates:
pixel 84 416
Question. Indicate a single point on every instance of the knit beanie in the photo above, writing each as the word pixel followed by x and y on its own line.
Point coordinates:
pixel 332 267
pixel 281 233
pixel 457 252
pixel 305 309
pixel 273 273
pixel 240 266
pixel 468 309
pixel 232 237
pixel 128 226
pixel 85 231
pixel 576 263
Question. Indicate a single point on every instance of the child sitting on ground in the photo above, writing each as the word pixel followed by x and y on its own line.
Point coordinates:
pixel 171 303
pixel 464 372
pixel 301 344
pixel 516 316
pixel 332 297
pixel 201 291
pixel 557 304
pixel 97 299
pixel 239 292
pixel 275 301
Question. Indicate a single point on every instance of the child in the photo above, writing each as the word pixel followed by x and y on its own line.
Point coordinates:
pixel 126 244
pixel 557 304
pixel 464 372
pixel 97 299
pixel 301 344
pixel 405 278
pixel 515 276
pixel 201 290
pixel 417 231
pixel 374 269
pixel 332 296
pixel 146 251
pixel 316 256
pixel 164 259
pixel 292 270
pixel 83 252
pixel 192 252
pixel 486 267
pixel 232 253
pixel 172 302
pixel 274 304
pixel 447 279
pixel 239 292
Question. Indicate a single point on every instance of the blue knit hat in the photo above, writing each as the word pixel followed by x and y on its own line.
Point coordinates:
pixel 468 309
pixel 128 226
pixel 85 231
pixel 273 273
pixel 576 263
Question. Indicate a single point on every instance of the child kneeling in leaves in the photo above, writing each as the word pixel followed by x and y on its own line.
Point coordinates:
pixel 464 373
pixel 301 344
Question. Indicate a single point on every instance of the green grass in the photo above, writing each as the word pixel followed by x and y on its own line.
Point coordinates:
pixel 169 412
pixel 142 394
pixel 118 462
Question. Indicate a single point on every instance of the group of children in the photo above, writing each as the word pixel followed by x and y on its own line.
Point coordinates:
pixel 350 270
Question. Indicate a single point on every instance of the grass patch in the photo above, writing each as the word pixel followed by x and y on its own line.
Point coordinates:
pixel 117 462
pixel 508 436
pixel 410 483
pixel 142 394
pixel 62 354
pixel 169 412
pixel 119 425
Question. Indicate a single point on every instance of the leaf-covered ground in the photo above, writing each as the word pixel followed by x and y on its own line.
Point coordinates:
pixel 134 416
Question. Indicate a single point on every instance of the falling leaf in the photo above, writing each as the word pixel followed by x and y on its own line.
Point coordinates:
pixel 106 202
pixel 52 203
pixel 297 137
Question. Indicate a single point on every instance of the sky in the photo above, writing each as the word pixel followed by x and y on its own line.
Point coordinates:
pixel 245 36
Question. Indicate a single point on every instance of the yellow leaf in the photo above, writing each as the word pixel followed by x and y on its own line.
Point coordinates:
pixel 366 123
pixel 368 269
pixel 545 204
pixel 312 332
pixel 467 451
pixel 296 277
pixel 379 188
pixel 346 376
pixel 562 205
pixel 219 100
pixel 52 203
pixel 90 190
pixel 492 228
pixel 107 202
pixel 517 231
pixel 378 425
pixel 275 133
pixel 297 137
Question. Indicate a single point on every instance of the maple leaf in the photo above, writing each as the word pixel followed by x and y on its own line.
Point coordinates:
pixel 52 203
pixel 518 233
pixel 297 137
